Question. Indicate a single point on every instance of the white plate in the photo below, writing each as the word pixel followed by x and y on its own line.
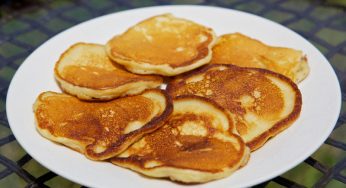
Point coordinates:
pixel 321 100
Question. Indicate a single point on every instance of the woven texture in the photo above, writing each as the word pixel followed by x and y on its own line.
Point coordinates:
pixel 24 25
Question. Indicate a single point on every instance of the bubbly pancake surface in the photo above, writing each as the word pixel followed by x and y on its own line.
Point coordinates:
pixel 85 70
pixel 240 50
pixel 100 130
pixel 196 144
pixel 164 45
pixel 261 103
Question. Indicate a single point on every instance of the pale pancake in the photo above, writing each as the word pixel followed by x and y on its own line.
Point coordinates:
pixel 84 70
pixel 197 144
pixel 164 45
pixel 100 130
pixel 262 103
pixel 238 49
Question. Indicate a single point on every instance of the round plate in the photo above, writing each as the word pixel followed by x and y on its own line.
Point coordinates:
pixel 320 90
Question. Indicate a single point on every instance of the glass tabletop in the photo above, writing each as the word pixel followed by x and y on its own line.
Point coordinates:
pixel 24 25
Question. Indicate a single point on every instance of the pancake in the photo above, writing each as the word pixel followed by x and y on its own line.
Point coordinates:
pixel 85 71
pixel 196 144
pixel 100 130
pixel 261 103
pixel 164 45
pixel 240 50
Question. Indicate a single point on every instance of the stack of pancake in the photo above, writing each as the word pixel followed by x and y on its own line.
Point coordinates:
pixel 226 96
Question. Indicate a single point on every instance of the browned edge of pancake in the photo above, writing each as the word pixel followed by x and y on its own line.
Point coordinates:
pixel 212 102
pixel 279 126
pixel 126 140
pixel 62 56
pixel 141 164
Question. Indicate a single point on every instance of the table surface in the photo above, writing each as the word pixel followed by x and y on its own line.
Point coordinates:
pixel 24 25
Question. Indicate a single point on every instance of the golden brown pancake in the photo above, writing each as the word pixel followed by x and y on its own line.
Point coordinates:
pixel 238 49
pixel 262 103
pixel 164 45
pixel 100 130
pixel 84 70
pixel 197 144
